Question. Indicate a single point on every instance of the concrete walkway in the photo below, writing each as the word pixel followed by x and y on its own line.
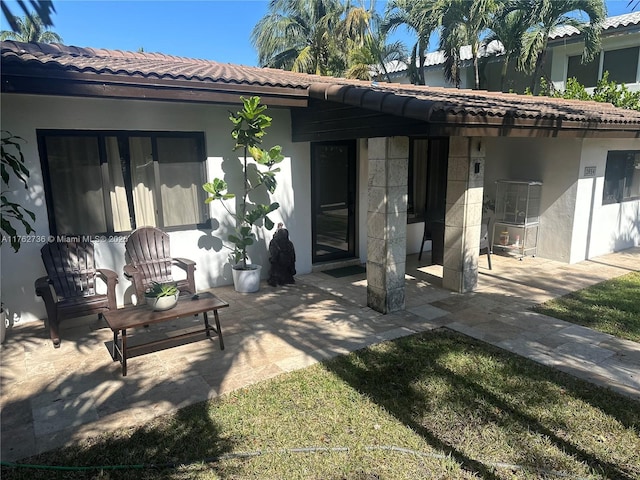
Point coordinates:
pixel 54 396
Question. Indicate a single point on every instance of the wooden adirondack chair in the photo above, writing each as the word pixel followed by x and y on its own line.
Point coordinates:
pixel 149 260
pixel 69 289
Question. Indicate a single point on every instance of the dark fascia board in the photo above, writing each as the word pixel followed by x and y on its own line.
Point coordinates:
pixel 436 120
pixel 16 79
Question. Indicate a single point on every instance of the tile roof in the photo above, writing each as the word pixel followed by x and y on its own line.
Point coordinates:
pixel 496 48
pixel 438 58
pixel 430 104
pixel 476 106
pixel 138 64
pixel 609 24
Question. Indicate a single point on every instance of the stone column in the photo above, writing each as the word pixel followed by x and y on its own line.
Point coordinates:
pixel 463 214
pixel 387 223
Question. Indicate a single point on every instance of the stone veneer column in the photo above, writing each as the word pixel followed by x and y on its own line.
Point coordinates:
pixel 463 215
pixel 387 223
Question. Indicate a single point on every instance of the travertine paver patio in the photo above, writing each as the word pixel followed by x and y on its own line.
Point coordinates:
pixel 53 396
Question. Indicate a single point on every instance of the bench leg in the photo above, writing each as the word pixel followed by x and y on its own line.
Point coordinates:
pixel 114 348
pixel 123 353
pixel 215 316
pixel 208 327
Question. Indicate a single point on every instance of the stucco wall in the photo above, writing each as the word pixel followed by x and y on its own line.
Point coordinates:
pixel 23 114
pixel 574 224
pixel 599 228
pixel 555 163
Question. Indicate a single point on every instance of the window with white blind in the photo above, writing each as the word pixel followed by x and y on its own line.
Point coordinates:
pixel 110 182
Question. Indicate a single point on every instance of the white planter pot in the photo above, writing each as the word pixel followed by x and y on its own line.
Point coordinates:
pixel 163 303
pixel 247 281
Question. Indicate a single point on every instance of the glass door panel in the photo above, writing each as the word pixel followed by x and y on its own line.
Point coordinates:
pixel 333 197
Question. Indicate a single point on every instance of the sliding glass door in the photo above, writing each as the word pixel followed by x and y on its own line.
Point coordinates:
pixel 333 193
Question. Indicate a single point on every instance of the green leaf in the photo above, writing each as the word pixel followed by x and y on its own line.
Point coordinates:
pixel 258 154
pixel 217 190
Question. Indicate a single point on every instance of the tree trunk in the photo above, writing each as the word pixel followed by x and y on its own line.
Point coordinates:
pixel 535 81
pixel 476 72
pixel 503 73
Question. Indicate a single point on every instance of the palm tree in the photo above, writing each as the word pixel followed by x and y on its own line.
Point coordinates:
pixel 43 9
pixel 30 28
pixel 300 35
pixel 367 50
pixel 509 26
pixel 415 15
pixel 463 23
pixel 373 56
pixel 547 15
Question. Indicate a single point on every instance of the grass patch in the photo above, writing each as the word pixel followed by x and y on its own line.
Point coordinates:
pixel 435 405
pixel 611 307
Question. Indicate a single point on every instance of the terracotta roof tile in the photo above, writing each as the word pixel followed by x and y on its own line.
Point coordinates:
pixel 420 102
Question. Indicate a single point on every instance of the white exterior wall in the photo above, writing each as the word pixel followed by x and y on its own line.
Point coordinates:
pixel 23 114
pixel 574 225
pixel 555 163
pixel 598 228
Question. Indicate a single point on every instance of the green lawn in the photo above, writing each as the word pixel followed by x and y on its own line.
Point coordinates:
pixel 435 405
pixel 611 307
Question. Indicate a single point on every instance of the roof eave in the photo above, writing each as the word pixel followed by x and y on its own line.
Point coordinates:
pixel 445 120
pixel 88 84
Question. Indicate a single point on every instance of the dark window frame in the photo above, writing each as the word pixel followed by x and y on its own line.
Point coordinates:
pixel 434 182
pixel 620 166
pixel 601 59
pixel 619 69
pixel 101 135
pixel 576 69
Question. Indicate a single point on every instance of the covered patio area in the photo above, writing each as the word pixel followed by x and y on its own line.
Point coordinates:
pixel 54 396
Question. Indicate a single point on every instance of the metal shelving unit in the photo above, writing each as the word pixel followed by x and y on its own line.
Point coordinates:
pixel 517 225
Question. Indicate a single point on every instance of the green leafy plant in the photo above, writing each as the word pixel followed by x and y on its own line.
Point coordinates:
pixel 158 290
pixel 605 90
pixel 13 165
pixel 249 126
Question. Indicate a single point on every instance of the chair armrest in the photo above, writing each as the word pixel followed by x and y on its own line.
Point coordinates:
pixel 107 275
pixel 188 266
pixel 50 298
pixel 184 263
pixel 111 279
pixel 42 286
pixel 134 275
pixel 129 270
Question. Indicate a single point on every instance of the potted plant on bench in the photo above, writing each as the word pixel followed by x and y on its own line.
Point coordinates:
pixel 162 296
pixel 250 126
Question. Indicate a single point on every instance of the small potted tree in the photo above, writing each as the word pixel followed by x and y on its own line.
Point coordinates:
pixel 249 126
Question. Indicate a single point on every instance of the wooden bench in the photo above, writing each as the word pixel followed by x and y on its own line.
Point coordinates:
pixel 122 319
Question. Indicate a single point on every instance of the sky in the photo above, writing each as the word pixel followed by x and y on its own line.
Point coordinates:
pixel 217 30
